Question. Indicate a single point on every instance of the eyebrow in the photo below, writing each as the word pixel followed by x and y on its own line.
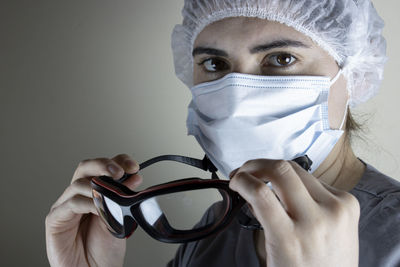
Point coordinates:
pixel 277 44
pixel 209 51
pixel 257 49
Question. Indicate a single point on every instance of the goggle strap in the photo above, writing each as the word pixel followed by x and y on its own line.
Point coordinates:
pixel 204 164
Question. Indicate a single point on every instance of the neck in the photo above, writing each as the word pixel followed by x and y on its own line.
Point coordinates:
pixel 341 169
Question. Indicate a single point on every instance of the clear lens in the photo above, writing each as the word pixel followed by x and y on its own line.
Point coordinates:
pixel 184 210
pixel 114 209
pixel 109 211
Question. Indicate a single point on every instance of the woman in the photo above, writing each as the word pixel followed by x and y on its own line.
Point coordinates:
pixel 271 81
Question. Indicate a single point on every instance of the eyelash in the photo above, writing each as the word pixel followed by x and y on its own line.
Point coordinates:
pixel 201 63
pixel 265 61
pixel 292 57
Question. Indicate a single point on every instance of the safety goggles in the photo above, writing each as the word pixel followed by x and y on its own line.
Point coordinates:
pixel 165 211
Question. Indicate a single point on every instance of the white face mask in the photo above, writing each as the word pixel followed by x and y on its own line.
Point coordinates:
pixel 241 117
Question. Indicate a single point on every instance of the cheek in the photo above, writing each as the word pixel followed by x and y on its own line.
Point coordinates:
pixel 196 78
pixel 337 100
pixel 198 75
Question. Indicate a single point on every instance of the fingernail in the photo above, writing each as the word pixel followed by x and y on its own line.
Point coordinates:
pixel 113 169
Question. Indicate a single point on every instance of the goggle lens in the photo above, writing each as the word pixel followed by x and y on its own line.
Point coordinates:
pixel 182 211
pixel 109 211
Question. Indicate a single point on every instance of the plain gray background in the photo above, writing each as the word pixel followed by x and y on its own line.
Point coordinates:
pixel 87 79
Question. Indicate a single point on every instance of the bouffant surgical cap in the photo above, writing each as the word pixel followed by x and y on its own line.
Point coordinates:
pixel 349 30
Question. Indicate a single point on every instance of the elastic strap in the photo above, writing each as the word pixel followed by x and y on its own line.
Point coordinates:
pixel 204 164
pixel 345 115
pixel 336 77
pixel 347 103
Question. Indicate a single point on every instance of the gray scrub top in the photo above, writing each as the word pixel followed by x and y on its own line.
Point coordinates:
pixel 379 231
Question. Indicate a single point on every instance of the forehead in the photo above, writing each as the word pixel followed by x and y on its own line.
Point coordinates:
pixel 243 31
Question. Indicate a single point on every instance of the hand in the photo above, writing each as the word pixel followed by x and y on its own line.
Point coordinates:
pixel 75 235
pixel 311 224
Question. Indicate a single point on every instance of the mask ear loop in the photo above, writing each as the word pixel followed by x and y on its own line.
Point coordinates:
pixel 345 115
pixel 347 102
pixel 334 79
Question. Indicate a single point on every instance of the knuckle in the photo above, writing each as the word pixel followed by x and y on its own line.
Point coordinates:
pixel 73 202
pixel 74 185
pixel 347 197
pixel 83 162
pixel 69 190
pixel 102 161
pixel 281 167
pixel 252 163
pixel 78 185
pixel 344 206
pixel 248 164
pixel 351 203
pixel 105 163
pixel 239 178
pixel 336 206
pixel 52 208
pixel 99 161
pixel 126 161
pixel 122 156
pixel 47 219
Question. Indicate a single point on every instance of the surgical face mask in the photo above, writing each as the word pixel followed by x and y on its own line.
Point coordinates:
pixel 241 117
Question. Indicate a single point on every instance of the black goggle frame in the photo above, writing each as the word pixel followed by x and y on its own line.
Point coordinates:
pixel 125 197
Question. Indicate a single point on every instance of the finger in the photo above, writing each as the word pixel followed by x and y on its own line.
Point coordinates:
pixel 331 189
pixel 319 190
pixel 78 187
pixel 345 197
pixel 128 164
pixel 264 203
pixel 133 181
pixel 70 210
pixel 286 183
pixel 233 173
pixel 98 167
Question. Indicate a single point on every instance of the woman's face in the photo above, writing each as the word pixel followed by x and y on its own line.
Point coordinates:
pixel 262 47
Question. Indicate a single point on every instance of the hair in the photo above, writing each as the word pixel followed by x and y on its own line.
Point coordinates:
pixel 353 127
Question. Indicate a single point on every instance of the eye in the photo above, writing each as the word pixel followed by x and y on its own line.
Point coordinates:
pixel 281 60
pixel 214 65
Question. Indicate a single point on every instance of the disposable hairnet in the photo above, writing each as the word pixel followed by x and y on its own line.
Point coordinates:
pixel 349 30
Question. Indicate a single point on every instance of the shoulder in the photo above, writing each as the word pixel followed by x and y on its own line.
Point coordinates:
pixel 379 197
pixel 376 189
pixel 379 226
pixel 377 184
